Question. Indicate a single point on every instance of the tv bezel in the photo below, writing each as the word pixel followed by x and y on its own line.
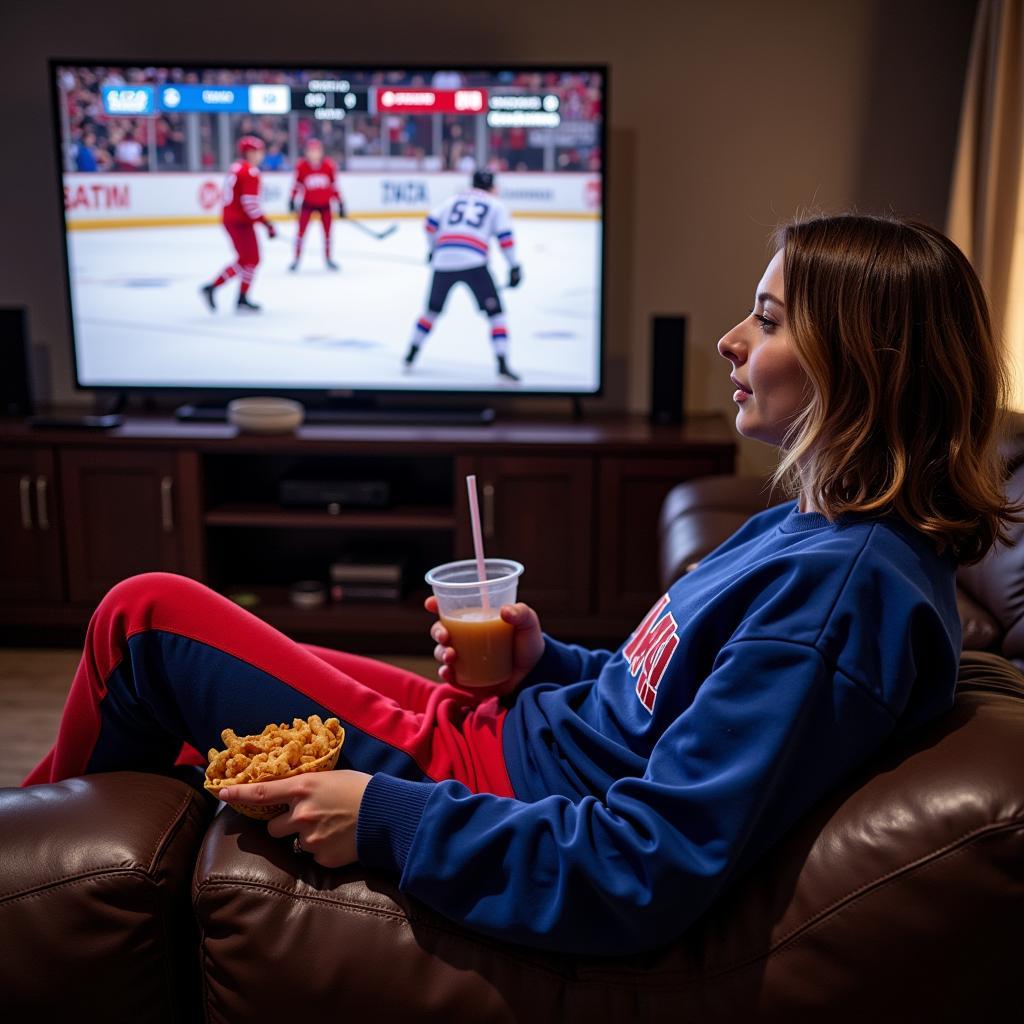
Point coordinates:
pixel 53 63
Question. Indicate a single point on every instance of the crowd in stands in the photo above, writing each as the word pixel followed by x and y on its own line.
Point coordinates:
pixel 99 142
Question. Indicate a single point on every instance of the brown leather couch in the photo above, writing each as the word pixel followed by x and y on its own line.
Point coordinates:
pixel 899 898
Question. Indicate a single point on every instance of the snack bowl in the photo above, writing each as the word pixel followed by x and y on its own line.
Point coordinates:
pixel 325 763
pixel 266 415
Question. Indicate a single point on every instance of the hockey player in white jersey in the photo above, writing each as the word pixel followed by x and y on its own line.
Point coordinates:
pixel 459 234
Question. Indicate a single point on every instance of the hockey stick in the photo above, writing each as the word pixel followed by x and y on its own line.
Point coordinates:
pixel 379 235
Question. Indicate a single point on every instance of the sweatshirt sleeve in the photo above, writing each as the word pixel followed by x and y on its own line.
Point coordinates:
pixel 566 663
pixel 770 731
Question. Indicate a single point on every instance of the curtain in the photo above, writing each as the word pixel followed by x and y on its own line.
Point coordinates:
pixel 986 209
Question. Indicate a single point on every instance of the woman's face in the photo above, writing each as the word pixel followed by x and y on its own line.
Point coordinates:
pixel 773 387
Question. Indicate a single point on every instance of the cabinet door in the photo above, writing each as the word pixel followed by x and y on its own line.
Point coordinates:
pixel 30 562
pixel 540 511
pixel 126 513
pixel 632 491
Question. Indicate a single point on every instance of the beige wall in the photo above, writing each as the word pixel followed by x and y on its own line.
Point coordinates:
pixel 725 118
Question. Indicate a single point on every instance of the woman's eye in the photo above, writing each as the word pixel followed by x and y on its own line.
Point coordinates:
pixel 767 326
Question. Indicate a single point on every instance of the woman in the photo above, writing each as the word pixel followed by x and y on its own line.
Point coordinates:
pixel 602 800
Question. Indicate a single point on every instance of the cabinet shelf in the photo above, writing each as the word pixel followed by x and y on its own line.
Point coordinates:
pixel 387 618
pixel 268 515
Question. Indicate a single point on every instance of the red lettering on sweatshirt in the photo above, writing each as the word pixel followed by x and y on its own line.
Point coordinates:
pixel 650 650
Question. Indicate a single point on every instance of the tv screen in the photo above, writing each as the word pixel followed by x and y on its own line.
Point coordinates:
pixel 337 229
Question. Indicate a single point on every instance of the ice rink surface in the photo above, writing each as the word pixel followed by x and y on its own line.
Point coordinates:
pixel 141 320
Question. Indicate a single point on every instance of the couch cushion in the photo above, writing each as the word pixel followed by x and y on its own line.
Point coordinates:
pixel 901 894
pixel 94 913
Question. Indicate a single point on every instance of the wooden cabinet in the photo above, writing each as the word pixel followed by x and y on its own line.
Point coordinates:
pixel 30 536
pixel 631 493
pixel 577 502
pixel 127 512
pixel 540 511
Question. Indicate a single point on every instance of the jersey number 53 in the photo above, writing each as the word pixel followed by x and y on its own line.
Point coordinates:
pixel 458 213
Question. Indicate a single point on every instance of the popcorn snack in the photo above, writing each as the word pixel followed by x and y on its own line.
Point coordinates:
pixel 279 752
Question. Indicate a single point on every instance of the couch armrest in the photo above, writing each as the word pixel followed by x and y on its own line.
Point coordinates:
pixel 700 514
pixel 94 906
pixel 275 923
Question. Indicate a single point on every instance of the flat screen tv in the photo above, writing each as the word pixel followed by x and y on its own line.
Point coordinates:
pixel 464 208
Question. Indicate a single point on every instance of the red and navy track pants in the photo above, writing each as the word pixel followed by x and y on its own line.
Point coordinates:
pixel 168 662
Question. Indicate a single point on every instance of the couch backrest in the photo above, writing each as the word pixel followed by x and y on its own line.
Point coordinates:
pixel 997 581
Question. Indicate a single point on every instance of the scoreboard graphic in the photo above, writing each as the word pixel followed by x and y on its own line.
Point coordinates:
pixel 333 100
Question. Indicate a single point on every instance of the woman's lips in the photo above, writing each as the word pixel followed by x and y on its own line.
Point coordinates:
pixel 741 394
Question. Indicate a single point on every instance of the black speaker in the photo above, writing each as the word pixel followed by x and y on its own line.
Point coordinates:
pixel 15 383
pixel 668 368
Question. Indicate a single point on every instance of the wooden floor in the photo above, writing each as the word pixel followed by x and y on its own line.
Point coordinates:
pixel 33 687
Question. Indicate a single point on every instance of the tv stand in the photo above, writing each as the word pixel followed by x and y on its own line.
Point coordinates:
pixel 355 412
pixel 576 503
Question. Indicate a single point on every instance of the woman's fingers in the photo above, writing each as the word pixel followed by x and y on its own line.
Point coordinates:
pixel 439 634
pixel 445 655
pixel 431 604
pixel 272 791
pixel 520 615
pixel 282 825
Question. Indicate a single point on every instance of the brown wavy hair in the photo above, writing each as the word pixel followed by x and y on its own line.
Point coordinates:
pixel 908 387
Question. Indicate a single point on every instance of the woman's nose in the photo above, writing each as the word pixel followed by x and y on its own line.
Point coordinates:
pixel 730 347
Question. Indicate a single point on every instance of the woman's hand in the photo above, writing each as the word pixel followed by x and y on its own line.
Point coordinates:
pixel 527 642
pixel 323 809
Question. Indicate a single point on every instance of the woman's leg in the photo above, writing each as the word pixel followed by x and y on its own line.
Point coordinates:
pixel 168 661
pixel 409 690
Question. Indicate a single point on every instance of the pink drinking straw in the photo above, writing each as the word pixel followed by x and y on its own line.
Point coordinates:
pixel 478 539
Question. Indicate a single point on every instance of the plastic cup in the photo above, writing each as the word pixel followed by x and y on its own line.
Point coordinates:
pixel 481 638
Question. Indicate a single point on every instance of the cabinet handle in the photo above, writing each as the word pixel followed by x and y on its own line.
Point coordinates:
pixel 489 511
pixel 167 503
pixel 42 505
pixel 25 489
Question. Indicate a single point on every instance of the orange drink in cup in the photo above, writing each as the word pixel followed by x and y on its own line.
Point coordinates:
pixel 471 612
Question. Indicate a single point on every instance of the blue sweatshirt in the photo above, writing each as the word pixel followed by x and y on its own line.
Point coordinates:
pixel 648 778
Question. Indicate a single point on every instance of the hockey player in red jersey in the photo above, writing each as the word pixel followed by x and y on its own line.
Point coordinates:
pixel 240 214
pixel 316 178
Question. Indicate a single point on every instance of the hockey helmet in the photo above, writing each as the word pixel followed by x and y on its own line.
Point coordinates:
pixel 484 180
pixel 247 143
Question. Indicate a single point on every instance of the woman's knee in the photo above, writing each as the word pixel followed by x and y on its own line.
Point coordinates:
pixel 148 589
